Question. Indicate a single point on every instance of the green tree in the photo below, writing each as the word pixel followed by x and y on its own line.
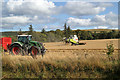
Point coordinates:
pixel 83 35
pixel 95 35
pixel 69 31
pixel 103 35
pixel 59 35
pixel 43 37
pixel 89 35
pixel 118 34
pixel 65 30
pixel 109 35
pixel 51 37
pixel 110 50
pixel 20 32
pixel 43 31
pixel 114 34
pixel 59 32
pixel 77 32
pixel 30 30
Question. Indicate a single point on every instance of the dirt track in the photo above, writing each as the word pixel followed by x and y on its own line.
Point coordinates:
pixel 90 45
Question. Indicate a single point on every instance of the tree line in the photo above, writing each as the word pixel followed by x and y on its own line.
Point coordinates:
pixel 57 35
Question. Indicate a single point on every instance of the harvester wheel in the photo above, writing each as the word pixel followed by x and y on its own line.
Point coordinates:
pixel 16 50
pixel 34 51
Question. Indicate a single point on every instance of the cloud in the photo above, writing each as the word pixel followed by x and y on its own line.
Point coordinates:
pixel 112 20
pixel 15 19
pixel 12 21
pixel 78 22
pixel 84 8
pixel 31 7
pixel 101 27
pixel 25 12
pixel 105 4
pixel 49 27
pixel 100 21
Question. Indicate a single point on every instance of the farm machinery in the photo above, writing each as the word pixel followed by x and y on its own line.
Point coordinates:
pixel 73 39
pixel 25 46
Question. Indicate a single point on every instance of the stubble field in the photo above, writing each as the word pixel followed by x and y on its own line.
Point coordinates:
pixel 66 61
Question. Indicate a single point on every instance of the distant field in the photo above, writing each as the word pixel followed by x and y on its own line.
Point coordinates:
pixel 90 44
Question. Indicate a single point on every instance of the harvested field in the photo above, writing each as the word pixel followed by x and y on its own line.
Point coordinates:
pixel 66 61
pixel 90 44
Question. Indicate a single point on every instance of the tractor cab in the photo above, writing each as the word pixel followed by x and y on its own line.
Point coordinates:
pixel 24 38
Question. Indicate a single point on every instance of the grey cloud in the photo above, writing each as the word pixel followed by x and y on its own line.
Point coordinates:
pixel 109 20
pixel 82 8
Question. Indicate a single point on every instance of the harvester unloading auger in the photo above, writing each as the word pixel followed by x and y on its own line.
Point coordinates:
pixel 25 46
pixel 73 39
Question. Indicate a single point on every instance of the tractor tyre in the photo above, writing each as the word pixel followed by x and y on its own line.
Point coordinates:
pixel 16 50
pixel 34 51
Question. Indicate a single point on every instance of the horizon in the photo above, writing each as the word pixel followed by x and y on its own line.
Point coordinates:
pixel 61 30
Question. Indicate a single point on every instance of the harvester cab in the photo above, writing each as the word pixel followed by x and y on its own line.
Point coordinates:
pixel 73 39
pixel 25 45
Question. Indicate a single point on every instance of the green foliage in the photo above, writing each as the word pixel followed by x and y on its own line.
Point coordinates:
pixel 89 35
pixel 118 35
pixel 58 32
pixel 43 30
pixel 51 37
pixel 83 35
pixel 86 35
pixel 30 30
pixel 65 30
pixel 103 35
pixel 69 32
pixel 20 32
pixel 14 38
pixel 110 48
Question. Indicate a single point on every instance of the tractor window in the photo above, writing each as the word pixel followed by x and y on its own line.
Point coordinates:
pixel 24 38
pixel 30 38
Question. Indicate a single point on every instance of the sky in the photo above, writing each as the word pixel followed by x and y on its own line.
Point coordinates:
pixel 19 14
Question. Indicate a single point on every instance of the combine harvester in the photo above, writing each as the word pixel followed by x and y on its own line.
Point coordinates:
pixel 24 46
pixel 73 39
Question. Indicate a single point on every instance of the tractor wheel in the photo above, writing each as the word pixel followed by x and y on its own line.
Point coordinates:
pixel 34 51
pixel 16 50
